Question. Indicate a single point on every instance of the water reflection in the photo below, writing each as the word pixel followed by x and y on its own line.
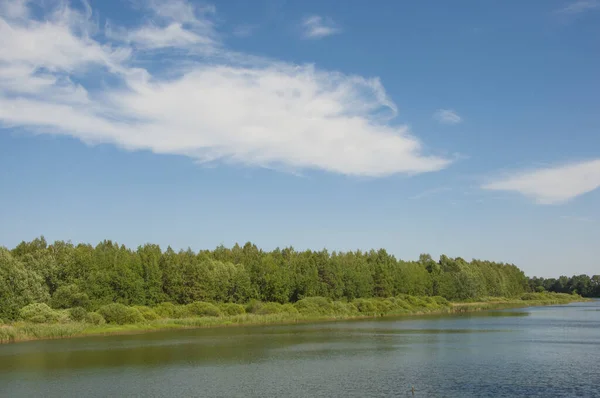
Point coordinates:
pixel 550 351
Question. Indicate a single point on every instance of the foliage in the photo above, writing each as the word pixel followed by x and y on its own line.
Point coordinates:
pixel 95 318
pixel 120 314
pixel 148 313
pixel 39 313
pixel 69 296
pixel 314 306
pixel 232 309
pixel 19 286
pixel 580 284
pixel 270 308
pixel 78 314
pixel 200 308
pixel 64 275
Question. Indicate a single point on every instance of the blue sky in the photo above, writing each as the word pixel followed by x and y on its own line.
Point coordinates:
pixel 469 128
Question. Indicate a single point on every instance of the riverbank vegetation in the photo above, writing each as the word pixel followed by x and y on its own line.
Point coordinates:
pixel 584 285
pixel 39 321
pixel 62 289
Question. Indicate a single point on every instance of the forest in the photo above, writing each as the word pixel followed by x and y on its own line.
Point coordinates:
pixel 64 275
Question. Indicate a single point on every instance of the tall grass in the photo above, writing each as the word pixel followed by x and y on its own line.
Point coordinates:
pixel 164 316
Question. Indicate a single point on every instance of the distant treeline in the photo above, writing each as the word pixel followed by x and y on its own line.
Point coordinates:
pixel 64 275
pixel 579 284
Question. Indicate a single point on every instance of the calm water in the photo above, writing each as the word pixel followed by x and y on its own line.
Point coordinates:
pixel 536 352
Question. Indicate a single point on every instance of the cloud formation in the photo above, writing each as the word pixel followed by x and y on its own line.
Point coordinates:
pixel 447 116
pixel 317 27
pixel 580 6
pixel 63 74
pixel 554 185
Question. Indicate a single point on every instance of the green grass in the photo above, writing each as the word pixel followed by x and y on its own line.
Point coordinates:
pixel 310 309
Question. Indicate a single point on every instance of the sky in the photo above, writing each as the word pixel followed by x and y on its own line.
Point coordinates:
pixel 468 128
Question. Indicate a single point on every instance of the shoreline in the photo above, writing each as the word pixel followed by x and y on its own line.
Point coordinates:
pixel 19 332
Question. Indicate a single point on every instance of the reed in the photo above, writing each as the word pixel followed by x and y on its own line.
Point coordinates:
pixel 311 309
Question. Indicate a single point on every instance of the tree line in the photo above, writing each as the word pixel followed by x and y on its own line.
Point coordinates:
pixel 583 285
pixel 65 275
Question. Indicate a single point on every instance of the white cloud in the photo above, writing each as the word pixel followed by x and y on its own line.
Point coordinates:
pixel 316 27
pixel 552 185
pixel 174 24
pixel 223 106
pixel 447 116
pixel 580 6
pixel 173 35
pixel 14 8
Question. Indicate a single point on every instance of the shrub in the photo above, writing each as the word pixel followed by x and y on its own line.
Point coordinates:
pixel 253 306
pixel 366 306
pixel 232 309
pixel 531 296
pixel 94 318
pixel 201 308
pixel 314 306
pixel 120 314
pixel 1 321
pixel 78 314
pixel 165 310
pixel 39 313
pixel 441 301
pixel 270 308
pixel 148 313
pixel 340 308
pixel 69 296
pixel 289 309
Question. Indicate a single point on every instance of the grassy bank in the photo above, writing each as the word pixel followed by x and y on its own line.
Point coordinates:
pixel 38 321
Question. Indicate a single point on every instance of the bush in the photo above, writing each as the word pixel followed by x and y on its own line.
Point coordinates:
pixel 120 314
pixel 95 319
pixel 165 310
pixel 340 308
pixel 270 308
pixel 253 306
pixel 69 296
pixel 289 309
pixel 366 306
pixel 201 308
pixel 78 314
pixel 532 296
pixel 148 313
pixel 39 313
pixel 232 309
pixel 314 306
pixel 441 301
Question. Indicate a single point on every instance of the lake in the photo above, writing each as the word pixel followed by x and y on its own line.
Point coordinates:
pixel 531 352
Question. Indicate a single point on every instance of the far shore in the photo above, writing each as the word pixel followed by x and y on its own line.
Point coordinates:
pixel 26 331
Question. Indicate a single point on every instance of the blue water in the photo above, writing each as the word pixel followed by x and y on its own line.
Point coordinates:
pixel 533 352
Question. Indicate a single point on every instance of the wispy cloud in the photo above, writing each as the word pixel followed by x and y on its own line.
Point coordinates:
pixel 447 116
pixel 317 27
pixel 14 8
pixel 580 6
pixel 552 185
pixel 208 103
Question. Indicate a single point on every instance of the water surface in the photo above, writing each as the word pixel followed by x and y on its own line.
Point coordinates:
pixel 530 352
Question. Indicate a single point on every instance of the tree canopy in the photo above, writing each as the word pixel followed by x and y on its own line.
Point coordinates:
pixel 65 275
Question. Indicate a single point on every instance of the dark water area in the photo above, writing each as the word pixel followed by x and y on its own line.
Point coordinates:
pixel 530 352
